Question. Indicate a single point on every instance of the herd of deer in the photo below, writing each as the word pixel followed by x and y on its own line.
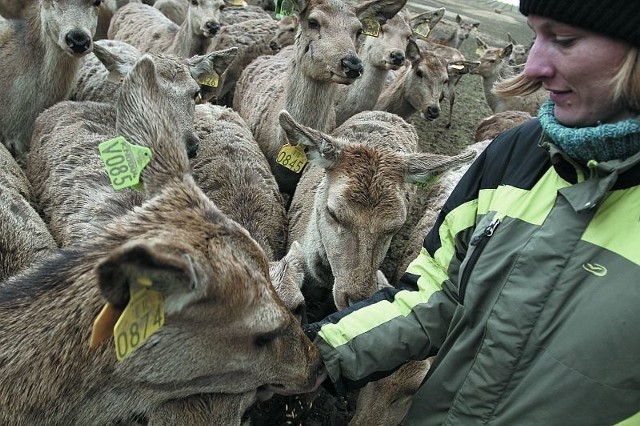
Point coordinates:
pixel 180 181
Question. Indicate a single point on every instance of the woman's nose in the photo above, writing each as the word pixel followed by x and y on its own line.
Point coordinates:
pixel 539 65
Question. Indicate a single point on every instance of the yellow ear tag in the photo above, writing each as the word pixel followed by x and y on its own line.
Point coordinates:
pixel 422 29
pixel 292 157
pixel 124 162
pixel 103 325
pixel 211 80
pixel 479 51
pixel 284 8
pixel 238 3
pixel 143 316
pixel 370 27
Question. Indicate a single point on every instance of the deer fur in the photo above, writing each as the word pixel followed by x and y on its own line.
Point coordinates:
pixel 494 64
pixel 304 79
pixel 519 53
pixel 40 58
pixel 233 15
pixel 354 197
pixel 225 329
pixel 24 237
pixel 492 126
pixel 150 31
pixel 459 35
pixel 252 38
pixel 232 171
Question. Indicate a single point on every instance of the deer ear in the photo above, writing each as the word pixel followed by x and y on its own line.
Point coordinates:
pixel 116 61
pixel 412 52
pixel 377 9
pixel 322 150
pixel 507 51
pixel 146 263
pixel 420 167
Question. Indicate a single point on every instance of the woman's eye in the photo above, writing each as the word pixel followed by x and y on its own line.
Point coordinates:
pixel 565 42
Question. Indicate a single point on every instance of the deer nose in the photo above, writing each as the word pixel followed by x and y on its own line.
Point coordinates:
pixel 397 58
pixel 78 41
pixel 274 46
pixel 212 27
pixel 352 66
pixel 433 112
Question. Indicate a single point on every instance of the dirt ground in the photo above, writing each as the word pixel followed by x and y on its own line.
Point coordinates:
pixel 496 20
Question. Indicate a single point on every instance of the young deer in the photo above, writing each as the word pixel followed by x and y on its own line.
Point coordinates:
pixel 494 64
pixel 459 34
pixel 40 58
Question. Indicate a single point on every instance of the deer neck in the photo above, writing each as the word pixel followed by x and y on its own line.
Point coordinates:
pixel 363 93
pixel 393 99
pixel 488 81
pixel 310 101
pixel 187 41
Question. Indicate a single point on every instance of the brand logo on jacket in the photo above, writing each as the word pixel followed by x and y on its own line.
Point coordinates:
pixel 595 269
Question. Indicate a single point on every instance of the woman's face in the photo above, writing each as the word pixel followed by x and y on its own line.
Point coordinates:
pixel 576 67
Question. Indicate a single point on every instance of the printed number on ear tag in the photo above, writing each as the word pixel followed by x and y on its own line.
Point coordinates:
pixel 124 162
pixel 211 80
pixel 423 29
pixel 143 316
pixel 284 8
pixel 292 157
pixel 370 27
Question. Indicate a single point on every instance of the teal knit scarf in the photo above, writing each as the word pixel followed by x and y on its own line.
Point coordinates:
pixel 603 142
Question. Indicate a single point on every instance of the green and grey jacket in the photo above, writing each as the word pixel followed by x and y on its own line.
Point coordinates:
pixel 527 289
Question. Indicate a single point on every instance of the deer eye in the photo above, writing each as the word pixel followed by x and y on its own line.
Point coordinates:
pixel 313 24
pixel 419 73
pixel 194 2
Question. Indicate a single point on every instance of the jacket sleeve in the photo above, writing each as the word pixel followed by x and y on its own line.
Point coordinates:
pixel 371 339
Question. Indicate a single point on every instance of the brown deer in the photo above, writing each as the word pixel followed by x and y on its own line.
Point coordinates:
pixel 459 34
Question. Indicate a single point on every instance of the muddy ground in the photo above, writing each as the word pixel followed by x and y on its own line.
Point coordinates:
pixel 496 20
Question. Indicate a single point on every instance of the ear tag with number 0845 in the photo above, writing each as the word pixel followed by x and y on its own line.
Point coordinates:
pixel 143 316
pixel 211 80
pixel 124 162
pixel 292 157
pixel 370 27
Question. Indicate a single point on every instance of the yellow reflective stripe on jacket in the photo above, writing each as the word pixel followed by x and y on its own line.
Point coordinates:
pixel 631 421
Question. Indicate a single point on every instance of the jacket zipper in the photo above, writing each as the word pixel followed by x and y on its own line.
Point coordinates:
pixel 480 241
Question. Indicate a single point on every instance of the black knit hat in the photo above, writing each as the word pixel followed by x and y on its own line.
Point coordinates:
pixel 614 18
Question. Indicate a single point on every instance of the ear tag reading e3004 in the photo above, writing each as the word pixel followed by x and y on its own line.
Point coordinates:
pixel 124 162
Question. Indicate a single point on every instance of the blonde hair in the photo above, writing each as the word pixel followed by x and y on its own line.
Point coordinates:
pixel 626 83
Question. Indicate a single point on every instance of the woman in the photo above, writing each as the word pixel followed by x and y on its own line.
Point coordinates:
pixel 527 288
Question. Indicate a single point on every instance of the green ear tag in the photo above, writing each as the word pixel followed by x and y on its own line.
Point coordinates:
pixel 370 27
pixel 422 29
pixel 210 80
pixel 284 8
pixel 124 162
pixel 292 157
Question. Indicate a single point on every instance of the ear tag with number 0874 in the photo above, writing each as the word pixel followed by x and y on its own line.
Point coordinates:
pixel 124 162
pixel 292 157
pixel 370 27
pixel 143 316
